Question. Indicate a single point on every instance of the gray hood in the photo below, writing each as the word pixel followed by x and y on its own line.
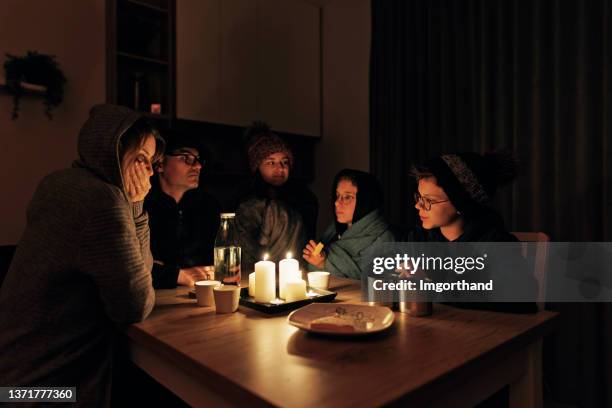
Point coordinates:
pixel 98 144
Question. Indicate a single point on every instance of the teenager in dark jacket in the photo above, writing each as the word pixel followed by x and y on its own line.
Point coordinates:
pixel 274 213
pixel 454 200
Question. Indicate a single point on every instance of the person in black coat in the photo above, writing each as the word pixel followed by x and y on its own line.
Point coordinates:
pixel 183 219
pixel 453 200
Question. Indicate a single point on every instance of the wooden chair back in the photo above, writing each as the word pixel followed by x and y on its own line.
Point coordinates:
pixel 540 266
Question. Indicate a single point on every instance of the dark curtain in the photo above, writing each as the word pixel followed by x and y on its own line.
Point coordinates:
pixel 530 75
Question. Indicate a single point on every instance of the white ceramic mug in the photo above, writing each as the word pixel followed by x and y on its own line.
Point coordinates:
pixel 227 298
pixel 204 292
pixel 318 280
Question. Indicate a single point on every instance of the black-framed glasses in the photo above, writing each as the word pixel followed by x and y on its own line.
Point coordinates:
pixel 344 199
pixel 189 159
pixel 425 202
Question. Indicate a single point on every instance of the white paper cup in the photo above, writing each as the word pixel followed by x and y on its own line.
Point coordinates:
pixel 204 292
pixel 227 298
pixel 318 280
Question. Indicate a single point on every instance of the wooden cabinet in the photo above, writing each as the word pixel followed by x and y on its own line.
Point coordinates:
pixel 239 60
pixel 140 57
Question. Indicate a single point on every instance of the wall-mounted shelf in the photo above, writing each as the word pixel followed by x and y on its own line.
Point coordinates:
pixel 28 89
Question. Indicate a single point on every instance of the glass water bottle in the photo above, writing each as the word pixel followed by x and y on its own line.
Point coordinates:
pixel 227 251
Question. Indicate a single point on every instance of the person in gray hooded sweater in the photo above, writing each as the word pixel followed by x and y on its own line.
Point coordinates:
pixel 83 264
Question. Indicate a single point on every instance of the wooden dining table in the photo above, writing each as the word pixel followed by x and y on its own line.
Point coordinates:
pixel 454 357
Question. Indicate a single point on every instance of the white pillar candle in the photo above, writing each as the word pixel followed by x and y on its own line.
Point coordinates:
pixel 289 269
pixel 252 284
pixel 295 290
pixel 265 281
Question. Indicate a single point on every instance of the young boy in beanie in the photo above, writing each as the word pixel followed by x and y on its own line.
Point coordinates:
pixel 275 213
pixel 454 196
pixel 454 201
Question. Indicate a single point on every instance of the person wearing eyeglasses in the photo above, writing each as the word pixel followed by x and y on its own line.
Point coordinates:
pixel 183 218
pixel 454 194
pixel 357 203
pixel 275 213
pixel 454 202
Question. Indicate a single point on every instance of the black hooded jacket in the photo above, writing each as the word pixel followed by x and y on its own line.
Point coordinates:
pixel 488 227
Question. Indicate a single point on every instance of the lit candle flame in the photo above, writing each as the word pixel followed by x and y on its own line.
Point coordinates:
pixel 289 255
pixel 265 258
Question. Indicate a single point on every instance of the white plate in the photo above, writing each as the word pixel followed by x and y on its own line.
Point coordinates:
pixel 342 319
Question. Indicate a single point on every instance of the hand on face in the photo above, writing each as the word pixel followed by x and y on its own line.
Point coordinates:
pixel 136 168
pixel 137 181
pixel 315 260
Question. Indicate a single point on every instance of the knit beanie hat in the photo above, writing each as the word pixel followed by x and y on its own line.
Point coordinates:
pixel 262 142
pixel 470 180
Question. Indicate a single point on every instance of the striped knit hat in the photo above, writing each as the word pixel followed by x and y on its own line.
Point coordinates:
pixel 262 142
pixel 470 180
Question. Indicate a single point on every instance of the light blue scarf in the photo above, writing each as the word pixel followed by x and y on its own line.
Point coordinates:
pixel 343 255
